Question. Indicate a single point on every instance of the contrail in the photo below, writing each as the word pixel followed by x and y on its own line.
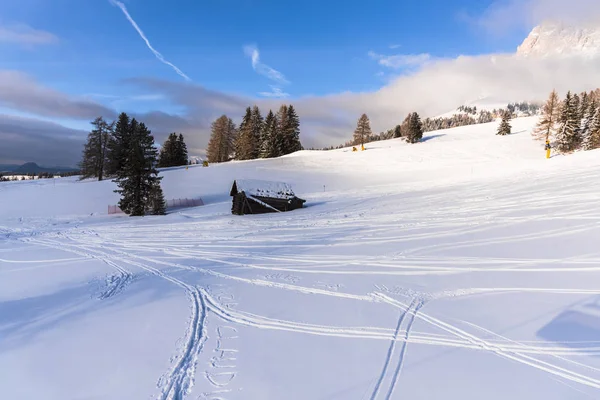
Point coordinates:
pixel 137 28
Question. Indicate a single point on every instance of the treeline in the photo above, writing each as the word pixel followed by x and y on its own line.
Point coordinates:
pixel 572 123
pixel 276 135
pixel 8 177
pixel 124 150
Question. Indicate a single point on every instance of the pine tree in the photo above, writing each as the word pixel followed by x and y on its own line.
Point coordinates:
pixel 138 179
pixel 220 145
pixel 587 139
pixel 504 128
pixel 282 127
pixel 182 151
pixel 94 162
pixel 362 131
pixel 246 143
pixel 546 126
pixel 168 152
pixel 118 145
pixel 567 136
pixel 415 128
pixel 398 131
pixel 257 124
pixel 158 205
pixel 594 132
pixel 269 138
pixel 292 131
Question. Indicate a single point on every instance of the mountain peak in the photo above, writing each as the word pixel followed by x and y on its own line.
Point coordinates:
pixel 552 39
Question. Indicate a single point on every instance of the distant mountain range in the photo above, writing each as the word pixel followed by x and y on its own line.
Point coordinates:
pixel 552 39
pixel 32 168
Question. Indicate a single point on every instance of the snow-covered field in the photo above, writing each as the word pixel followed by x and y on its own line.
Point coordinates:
pixel 463 267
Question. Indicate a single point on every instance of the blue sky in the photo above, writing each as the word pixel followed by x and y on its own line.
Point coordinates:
pixel 85 57
pixel 321 47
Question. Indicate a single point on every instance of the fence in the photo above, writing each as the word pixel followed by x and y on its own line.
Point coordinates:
pixel 173 203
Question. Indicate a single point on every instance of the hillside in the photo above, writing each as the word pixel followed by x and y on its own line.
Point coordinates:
pixel 462 267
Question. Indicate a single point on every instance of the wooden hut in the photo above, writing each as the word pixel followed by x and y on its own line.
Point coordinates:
pixel 259 197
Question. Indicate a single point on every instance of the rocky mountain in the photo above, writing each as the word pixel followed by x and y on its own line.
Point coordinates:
pixel 556 39
pixel 33 168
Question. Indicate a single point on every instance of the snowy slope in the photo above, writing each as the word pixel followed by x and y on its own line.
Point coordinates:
pixel 557 39
pixel 463 267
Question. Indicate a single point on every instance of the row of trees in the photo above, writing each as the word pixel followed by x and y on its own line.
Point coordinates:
pixel 411 129
pixel 125 151
pixel 276 135
pixel 571 124
pixel 173 152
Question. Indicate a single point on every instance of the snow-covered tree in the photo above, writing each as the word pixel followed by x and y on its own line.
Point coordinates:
pixel 567 136
pixel 269 140
pixel 504 128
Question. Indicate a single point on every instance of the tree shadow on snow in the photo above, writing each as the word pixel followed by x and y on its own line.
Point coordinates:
pixel 24 319
pixel 577 327
pixel 428 138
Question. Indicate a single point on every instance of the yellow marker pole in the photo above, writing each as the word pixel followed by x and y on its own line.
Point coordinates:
pixel 548 149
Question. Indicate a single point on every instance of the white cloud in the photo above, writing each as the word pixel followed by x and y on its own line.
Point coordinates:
pixel 275 92
pixel 395 46
pixel 503 16
pixel 263 69
pixel 141 33
pixel 398 61
pixel 26 35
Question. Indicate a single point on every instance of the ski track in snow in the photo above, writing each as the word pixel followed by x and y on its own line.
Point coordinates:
pixel 137 246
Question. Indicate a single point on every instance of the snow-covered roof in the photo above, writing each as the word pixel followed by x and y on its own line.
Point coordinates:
pixel 258 188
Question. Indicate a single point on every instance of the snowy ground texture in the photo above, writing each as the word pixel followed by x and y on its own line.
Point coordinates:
pixel 463 267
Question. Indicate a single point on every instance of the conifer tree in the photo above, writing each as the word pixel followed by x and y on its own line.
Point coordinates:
pixel 245 144
pixel 362 131
pixel 546 126
pixel 567 136
pixel 168 152
pixel 587 139
pixel 269 138
pixel 158 205
pixel 118 145
pixel 138 179
pixel 220 146
pixel 415 128
pixel 182 151
pixel 594 131
pixel 398 131
pixel 257 123
pixel 292 131
pixel 95 162
pixel 504 128
pixel 282 126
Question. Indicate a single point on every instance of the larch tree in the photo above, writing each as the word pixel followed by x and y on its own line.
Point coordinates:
pixel 415 128
pixel 362 131
pixel 504 128
pixel 95 160
pixel 546 126
pixel 138 180
pixel 220 145
pixel 567 135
